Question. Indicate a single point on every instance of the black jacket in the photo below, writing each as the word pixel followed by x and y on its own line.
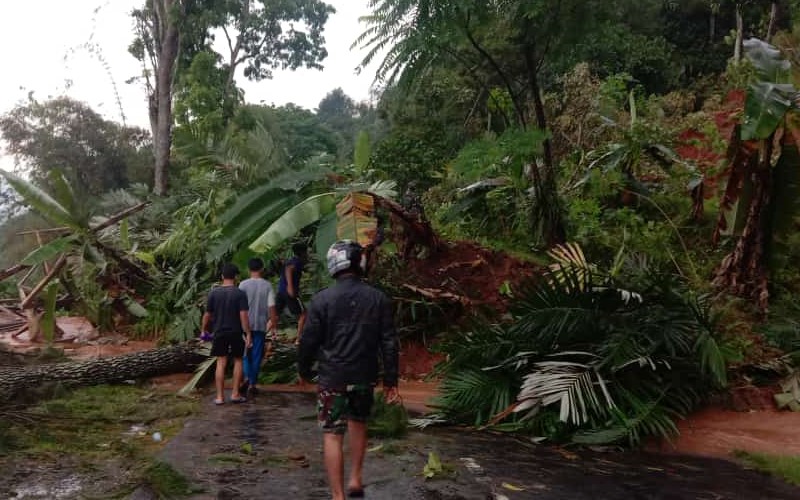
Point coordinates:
pixel 348 327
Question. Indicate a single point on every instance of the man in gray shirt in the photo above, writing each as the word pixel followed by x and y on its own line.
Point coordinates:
pixel 263 317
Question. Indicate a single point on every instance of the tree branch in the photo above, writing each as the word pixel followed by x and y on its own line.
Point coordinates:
pixel 506 81
pixel 11 271
pixel 40 286
pixel 474 75
pixel 228 38
pixel 121 215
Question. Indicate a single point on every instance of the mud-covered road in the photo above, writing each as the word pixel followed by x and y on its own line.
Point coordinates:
pixel 270 448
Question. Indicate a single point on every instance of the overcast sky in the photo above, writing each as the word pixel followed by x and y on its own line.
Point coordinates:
pixel 43 48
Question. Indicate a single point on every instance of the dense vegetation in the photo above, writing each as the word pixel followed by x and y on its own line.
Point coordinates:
pixel 660 137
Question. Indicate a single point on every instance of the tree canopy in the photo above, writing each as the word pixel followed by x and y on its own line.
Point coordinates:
pixel 99 155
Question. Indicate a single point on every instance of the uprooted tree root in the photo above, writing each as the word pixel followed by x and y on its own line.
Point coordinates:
pixel 461 276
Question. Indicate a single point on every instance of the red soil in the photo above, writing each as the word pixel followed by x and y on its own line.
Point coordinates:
pixel 465 269
pixel 716 432
pixel 416 361
pixel 696 146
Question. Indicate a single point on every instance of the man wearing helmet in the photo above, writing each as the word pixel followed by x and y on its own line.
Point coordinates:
pixel 348 326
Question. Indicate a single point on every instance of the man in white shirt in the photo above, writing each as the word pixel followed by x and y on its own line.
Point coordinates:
pixel 263 318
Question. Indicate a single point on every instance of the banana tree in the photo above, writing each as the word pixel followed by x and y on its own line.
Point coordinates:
pixel 78 241
pixel 316 208
pixel 268 216
pixel 764 150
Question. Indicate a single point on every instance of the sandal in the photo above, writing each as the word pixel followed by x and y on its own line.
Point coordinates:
pixel 240 399
pixel 356 493
pixel 219 402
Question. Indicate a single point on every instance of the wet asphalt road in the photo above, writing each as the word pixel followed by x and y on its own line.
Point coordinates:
pixel 270 448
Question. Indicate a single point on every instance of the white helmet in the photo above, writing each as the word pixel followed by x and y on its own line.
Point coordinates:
pixel 344 255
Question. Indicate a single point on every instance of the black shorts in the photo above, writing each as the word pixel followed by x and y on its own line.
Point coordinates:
pixel 228 345
pixel 283 301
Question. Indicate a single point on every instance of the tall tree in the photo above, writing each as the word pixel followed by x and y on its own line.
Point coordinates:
pixel 257 36
pixel 510 38
pixel 298 131
pixel 95 155
pixel 340 113
pixel 170 34
pixel 156 45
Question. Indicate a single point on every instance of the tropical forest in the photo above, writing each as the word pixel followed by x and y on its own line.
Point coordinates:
pixel 586 216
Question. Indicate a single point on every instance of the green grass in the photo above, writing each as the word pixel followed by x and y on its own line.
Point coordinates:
pixel 226 458
pixel 784 467
pixel 96 422
pixel 165 481
pixel 277 460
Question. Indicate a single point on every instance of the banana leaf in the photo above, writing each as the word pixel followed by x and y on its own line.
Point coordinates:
pixel 766 105
pixel 249 217
pixel 768 61
pixel 303 214
pixel 39 201
pixel 62 191
pixel 49 251
pixel 325 236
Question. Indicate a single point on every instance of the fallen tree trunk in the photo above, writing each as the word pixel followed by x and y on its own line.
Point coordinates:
pixel 162 361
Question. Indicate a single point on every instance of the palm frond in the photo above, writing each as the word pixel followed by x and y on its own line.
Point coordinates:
pixel 578 388
pixel 384 189
pixel 408 34
pixel 475 394
pixel 570 266
pixel 604 361
pixel 200 373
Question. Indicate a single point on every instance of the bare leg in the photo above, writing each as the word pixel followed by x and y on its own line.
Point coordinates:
pixel 358 447
pixel 334 463
pixel 237 378
pixel 301 321
pixel 219 378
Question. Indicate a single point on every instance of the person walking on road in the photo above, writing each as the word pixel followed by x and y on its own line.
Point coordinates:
pixel 349 327
pixel 263 318
pixel 227 314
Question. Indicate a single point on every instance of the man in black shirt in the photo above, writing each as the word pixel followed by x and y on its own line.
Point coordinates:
pixel 226 311
pixel 349 327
